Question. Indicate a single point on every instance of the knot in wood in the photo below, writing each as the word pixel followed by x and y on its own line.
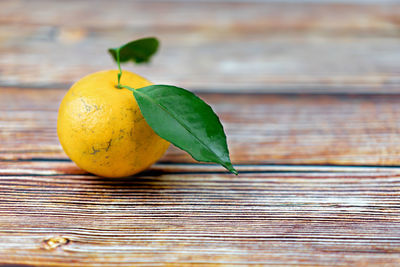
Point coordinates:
pixel 55 242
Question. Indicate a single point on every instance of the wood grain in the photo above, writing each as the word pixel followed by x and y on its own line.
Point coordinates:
pixel 206 45
pixel 261 129
pixel 178 213
pixel 309 95
pixel 278 216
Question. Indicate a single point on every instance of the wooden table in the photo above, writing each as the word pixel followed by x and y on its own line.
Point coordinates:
pixel 309 94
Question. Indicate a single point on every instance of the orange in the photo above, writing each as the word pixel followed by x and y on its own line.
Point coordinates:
pixel 101 128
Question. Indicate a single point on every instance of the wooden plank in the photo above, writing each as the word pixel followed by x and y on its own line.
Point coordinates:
pixel 61 167
pixel 261 129
pixel 208 46
pixel 278 217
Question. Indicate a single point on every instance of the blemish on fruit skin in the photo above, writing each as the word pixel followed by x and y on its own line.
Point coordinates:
pixel 87 106
pixel 108 145
pixel 139 119
pixel 134 111
pixel 121 134
pixel 94 151
pixel 55 242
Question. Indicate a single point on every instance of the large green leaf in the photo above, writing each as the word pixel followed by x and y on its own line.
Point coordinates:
pixel 186 121
pixel 139 51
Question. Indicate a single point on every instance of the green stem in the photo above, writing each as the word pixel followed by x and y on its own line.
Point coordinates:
pixel 119 68
pixel 127 87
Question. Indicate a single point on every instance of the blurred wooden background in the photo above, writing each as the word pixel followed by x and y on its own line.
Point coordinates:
pixel 308 92
pixel 208 45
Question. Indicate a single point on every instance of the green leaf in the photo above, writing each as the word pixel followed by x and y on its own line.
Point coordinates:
pixel 186 121
pixel 139 51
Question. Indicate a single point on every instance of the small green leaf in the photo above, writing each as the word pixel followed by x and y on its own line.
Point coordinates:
pixel 139 51
pixel 186 121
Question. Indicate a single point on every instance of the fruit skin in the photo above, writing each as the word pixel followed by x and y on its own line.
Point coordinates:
pixel 101 128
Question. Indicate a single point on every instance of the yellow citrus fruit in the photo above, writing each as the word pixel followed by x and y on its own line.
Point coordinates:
pixel 101 128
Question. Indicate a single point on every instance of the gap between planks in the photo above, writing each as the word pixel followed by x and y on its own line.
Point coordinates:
pixel 51 167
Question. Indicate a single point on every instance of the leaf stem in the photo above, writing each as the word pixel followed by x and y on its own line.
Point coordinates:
pixel 127 87
pixel 119 68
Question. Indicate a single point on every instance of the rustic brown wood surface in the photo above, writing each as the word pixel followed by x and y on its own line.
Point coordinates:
pixel 281 216
pixel 53 213
pixel 309 95
pixel 261 128
pixel 206 45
